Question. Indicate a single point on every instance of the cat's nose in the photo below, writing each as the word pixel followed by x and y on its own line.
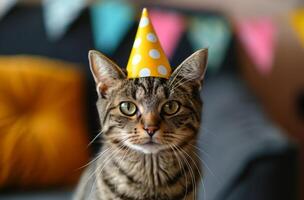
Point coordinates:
pixel 151 130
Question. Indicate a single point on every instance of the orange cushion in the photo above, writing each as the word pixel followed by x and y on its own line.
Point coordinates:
pixel 43 138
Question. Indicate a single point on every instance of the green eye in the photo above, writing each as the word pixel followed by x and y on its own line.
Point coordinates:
pixel 171 107
pixel 128 108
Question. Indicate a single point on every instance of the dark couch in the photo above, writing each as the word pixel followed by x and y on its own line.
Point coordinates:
pixel 245 156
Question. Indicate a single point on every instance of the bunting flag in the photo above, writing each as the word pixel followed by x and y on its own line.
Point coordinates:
pixel 213 33
pixel 60 14
pixel 5 6
pixel 297 20
pixel 169 26
pixel 258 39
pixel 111 20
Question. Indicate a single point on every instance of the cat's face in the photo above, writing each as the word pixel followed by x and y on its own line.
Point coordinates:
pixel 149 114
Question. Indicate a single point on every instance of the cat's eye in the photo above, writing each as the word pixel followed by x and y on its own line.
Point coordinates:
pixel 128 108
pixel 171 107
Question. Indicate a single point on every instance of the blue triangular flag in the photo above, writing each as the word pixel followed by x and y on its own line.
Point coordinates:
pixel 111 20
pixel 5 6
pixel 212 32
pixel 60 14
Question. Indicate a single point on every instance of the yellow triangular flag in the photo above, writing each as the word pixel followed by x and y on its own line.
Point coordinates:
pixel 147 57
pixel 298 23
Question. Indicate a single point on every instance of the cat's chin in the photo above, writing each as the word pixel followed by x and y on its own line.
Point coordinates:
pixel 148 148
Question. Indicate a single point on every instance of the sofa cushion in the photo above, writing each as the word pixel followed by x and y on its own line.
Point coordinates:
pixel 43 135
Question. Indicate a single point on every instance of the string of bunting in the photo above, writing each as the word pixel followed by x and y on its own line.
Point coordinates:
pixel 212 32
pixel 113 19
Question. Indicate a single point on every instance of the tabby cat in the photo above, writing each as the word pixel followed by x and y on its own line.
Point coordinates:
pixel 149 130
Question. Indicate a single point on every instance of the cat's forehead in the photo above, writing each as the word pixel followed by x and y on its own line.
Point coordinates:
pixel 146 88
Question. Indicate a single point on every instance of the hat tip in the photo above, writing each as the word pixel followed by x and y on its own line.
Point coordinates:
pixel 144 10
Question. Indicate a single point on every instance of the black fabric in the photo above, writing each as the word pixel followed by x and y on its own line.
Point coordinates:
pixel 267 178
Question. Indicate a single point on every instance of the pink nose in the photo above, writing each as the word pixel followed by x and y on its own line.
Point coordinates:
pixel 151 130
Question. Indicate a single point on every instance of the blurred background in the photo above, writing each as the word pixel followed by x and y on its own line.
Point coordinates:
pixel 252 140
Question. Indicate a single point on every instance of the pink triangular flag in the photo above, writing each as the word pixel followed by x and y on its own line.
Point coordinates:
pixel 169 27
pixel 258 38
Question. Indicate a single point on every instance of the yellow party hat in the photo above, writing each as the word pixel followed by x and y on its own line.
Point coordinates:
pixel 147 57
pixel 298 23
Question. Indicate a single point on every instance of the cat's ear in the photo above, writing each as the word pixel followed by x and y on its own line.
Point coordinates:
pixel 105 72
pixel 192 70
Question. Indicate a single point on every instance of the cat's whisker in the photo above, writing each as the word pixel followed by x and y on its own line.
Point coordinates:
pixel 181 168
pixel 204 190
pixel 194 162
pixel 95 159
pixel 182 82
pixel 93 174
pixel 185 79
pixel 192 176
pixel 208 131
pixel 201 150
pixel 205 164
pixel 189 167
pixel 93 140
pixel 97 136
pixel 108 159
pixel 123 157
pixel 100 168
pixel 172 86
pixel 183 159
pixel 202 179
pixel 202 161
pixel 179 70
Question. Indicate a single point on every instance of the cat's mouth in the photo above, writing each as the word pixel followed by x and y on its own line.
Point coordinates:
pixel 150 143
pixel 147 147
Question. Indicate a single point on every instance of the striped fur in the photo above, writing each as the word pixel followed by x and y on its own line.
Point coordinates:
pixel 129 169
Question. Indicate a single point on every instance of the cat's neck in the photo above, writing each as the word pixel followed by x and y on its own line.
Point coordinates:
pixel 154 169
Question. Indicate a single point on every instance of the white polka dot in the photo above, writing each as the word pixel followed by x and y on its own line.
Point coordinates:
pixel 144 72
pixel 136 59
pixel 153 53
pixel 151 37
pixel 143 22
pixel 137 42
pixel 162 70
